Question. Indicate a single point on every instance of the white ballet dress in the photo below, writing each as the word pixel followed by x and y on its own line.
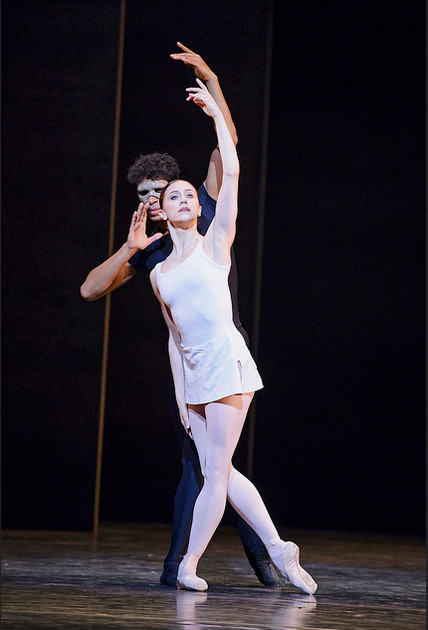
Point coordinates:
pixel 216 360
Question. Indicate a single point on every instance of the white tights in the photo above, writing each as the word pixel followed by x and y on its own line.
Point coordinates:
pixel 216 428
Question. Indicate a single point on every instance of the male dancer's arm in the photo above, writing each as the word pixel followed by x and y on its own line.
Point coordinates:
pixel 115 271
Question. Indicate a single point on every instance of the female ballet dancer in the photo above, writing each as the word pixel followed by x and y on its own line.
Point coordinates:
pixel 215 376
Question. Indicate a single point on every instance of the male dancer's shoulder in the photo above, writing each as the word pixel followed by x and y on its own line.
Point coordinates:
pixel 156 252
pixel 208 210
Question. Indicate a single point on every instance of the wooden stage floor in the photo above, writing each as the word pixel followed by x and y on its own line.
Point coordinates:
pixel 65 580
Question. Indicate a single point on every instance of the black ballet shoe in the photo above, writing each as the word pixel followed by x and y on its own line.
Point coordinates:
pixel 169 574
pixel 265 572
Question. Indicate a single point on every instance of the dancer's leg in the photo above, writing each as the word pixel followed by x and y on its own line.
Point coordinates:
pixel 184 500
pixel 216 430
pixel 254 548
pixel 223 426
pixel 246 500
pixel 216 435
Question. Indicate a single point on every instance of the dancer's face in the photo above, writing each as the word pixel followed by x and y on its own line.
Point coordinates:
pixel 148 191
pixel 180 203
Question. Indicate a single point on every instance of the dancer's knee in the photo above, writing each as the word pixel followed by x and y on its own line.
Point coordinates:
pixel 216 480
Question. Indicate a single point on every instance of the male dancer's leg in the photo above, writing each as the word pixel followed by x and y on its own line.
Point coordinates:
pixel 190 483
pixel 254 548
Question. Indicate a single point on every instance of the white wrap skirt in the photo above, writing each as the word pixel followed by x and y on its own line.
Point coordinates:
pixel 218 368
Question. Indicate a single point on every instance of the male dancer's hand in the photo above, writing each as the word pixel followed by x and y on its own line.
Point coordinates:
pixel 137 237
pixel 190 58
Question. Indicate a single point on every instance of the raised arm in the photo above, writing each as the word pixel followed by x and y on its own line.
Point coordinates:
pixel 116 270
pixel 221 232
pixel 204 72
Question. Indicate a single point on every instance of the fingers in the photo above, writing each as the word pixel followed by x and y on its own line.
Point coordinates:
pixel 140 214
pixel 195 61
pixel 196 100
pixel 201 89
pixel 183 47
pixel 187 55
pixel 136 215
pixel 199 95
pixel 185 420
pixel 189 58
pixel 155 237
pixel 181 56
pixel 188 430
pixel 195 91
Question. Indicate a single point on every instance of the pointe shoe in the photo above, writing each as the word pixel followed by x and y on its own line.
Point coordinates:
pixel 187 579
pixel 288 565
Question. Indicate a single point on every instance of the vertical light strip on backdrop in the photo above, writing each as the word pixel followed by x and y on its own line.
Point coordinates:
pixel 260 230
pixel 110 252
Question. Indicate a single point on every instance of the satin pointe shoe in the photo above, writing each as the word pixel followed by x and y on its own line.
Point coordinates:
pixel 187 579
pixel 287 562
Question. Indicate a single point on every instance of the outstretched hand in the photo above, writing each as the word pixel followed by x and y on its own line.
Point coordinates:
pixel 195 61
pixel 137 237
pixel 200 96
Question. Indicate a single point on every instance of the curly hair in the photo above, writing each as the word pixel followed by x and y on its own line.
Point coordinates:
pixel 153 166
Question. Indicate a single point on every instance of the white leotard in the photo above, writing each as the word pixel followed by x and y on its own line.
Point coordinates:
pixel 216 360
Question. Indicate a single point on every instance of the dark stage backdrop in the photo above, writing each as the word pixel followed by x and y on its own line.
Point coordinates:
pixel 340 423
pixel 59 64
pixel 343 309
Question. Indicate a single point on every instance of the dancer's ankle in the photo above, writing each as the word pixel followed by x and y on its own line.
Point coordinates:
pixel 186 576
pixel 190 561
pixel 273 546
